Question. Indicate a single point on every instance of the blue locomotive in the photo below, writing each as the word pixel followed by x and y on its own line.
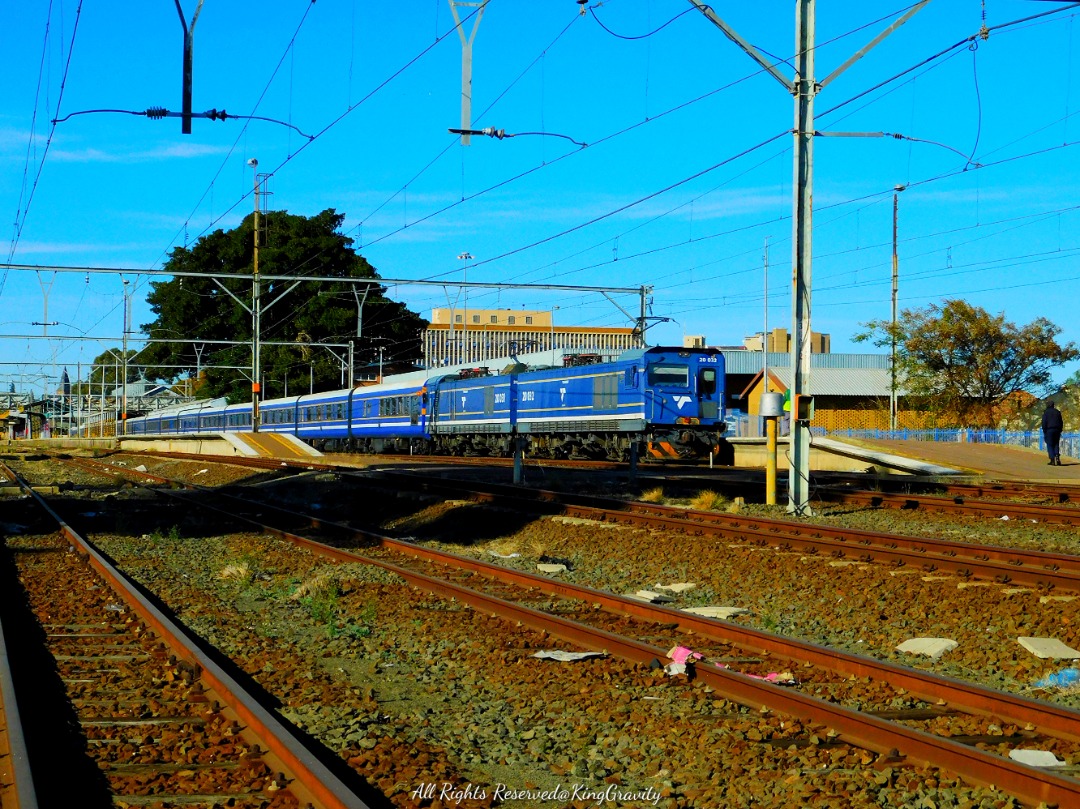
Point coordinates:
pixel 667 403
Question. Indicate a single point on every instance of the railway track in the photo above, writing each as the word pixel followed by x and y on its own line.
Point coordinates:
pixel 962 711
pixel 957 499
pixel 1005 565
pixel 163 723
pixel 1050 571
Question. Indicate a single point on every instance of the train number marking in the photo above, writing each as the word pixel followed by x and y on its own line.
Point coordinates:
pixel 528 395
pixel 562 396
pixel 500 398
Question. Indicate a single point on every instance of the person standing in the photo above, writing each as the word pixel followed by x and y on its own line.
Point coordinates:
pixel 1051 427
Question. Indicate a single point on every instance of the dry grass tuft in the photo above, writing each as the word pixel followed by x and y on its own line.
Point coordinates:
pixel 708 500
pixel 504 546
pixel 241 572
pixel 653 495
pixel 320 585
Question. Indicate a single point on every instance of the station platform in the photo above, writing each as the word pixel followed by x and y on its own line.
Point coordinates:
pixel 989 461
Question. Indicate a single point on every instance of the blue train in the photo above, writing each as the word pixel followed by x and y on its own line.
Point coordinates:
pixel 667 403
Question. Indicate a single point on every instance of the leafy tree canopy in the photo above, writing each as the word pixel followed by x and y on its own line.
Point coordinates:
pixel 963 362
pixel 309 314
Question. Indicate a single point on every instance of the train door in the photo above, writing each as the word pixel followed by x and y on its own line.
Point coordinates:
pixel 707 385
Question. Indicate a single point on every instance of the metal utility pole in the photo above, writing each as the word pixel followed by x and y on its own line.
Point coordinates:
pixel 805 91
pixel 189 52
pixel 256 308
pixel 643 316
pixel 466 60
pixel 804 88
pixel 464 357
pixel 124 351
pixel 895 290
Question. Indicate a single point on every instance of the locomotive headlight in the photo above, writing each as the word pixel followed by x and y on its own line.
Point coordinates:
pixel 687 420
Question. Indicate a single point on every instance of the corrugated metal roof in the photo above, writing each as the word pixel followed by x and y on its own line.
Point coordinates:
pixel 749 362
pixel 843 381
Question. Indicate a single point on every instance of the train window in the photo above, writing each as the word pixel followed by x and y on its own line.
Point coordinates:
pixel 631 377
pixel 707 381
pixel 669 376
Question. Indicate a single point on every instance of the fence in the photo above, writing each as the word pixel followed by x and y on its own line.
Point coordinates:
pixel 1033 439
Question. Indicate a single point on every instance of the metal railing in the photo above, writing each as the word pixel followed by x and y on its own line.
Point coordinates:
pixel 1031 439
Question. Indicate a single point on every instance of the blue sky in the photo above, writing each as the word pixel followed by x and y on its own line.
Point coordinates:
pixel 674 189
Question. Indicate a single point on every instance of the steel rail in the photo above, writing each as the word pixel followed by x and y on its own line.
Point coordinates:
pixel 1063 724
pixel 1061 515
pixel 990 489
pixel 312 781
pixel 978 767
pixel 16 777
pixel 1041 569
pixel 1035 568
pixel 1059 722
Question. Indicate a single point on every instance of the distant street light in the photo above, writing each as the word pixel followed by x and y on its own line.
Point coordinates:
pixel 895 288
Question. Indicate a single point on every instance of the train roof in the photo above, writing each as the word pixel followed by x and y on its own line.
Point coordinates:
pixel 638 353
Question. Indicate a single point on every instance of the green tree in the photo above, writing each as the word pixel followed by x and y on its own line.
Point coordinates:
pixel 305 315
pixel 960 362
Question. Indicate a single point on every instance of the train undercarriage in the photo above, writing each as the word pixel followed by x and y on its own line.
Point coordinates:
pixel 672 444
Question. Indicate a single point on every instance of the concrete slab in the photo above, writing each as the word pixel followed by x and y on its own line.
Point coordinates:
pixel 546 568
pixel 1049 648
pixel 651 597
pixel 677 587
pixel 723 613
pixel 1051 599
pixel 1036 758
pixel 930 647
pixel 566 657
pixel 883 459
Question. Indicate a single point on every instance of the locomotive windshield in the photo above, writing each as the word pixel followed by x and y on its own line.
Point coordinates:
pixel 669 376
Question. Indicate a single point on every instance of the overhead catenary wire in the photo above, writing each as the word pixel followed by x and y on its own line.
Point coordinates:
pixel 20 221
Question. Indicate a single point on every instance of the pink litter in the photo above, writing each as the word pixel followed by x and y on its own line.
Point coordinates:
pixel 680 654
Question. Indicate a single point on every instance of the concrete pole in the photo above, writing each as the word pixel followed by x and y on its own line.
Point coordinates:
pixel 802 214
pixel 466 60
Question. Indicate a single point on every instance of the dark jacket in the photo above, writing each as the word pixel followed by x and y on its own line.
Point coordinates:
pixel 1051 420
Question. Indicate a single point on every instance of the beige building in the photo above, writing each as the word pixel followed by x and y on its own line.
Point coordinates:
pixel 779 340
pixel 457 336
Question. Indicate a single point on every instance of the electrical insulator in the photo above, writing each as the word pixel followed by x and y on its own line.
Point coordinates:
pixel 156 113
